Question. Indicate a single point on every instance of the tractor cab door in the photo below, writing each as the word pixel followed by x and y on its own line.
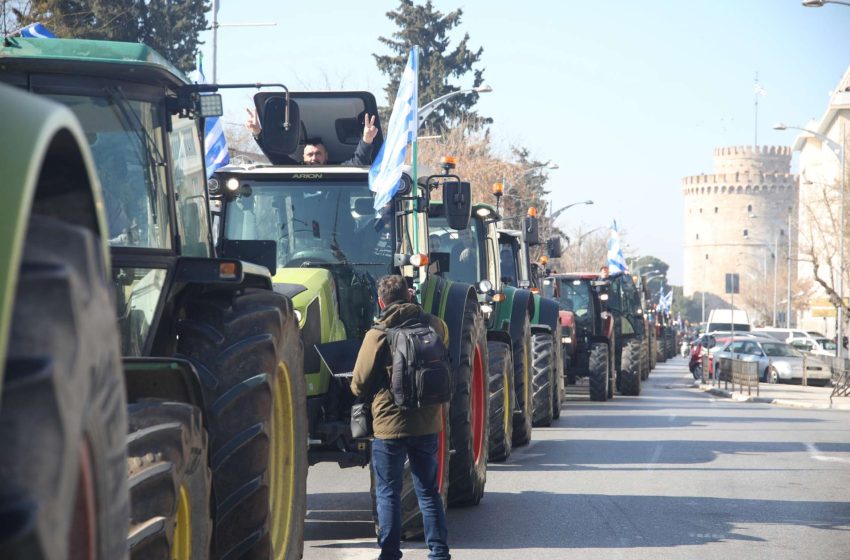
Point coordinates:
pixel 334 117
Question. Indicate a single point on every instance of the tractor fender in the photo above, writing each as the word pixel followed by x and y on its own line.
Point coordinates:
pixel 548 313
pixel 523 306
pixel 447 300
pixel 499 336
pixel 170 379
pixel 44 132
pixel 541 329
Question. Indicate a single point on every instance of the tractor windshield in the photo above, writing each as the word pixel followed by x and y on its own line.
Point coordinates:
pixel 464 247
pixel 126 140
pixel 315 225
pixel 576 297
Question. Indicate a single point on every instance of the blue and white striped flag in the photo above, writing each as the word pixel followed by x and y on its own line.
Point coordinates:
pixel 616 260
pixel 668 300
pixel 215 144
pixel 385 173
pixel 36 31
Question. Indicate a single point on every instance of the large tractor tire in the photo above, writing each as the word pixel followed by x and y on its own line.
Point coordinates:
pixel 661 343
pixel 558 376
pixel 598 371
pixel 167 466
pixel 247 350
pixel 630 371
pixel 501 372
pixel 645 365
pixel 542 378
pixel 523 407
pixel 63 488
pixel 469 412
pixel 411 517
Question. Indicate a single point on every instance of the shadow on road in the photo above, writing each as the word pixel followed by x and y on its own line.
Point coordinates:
pixel 611 421
pixel 340 516
pixel 606 521
pixel 572 454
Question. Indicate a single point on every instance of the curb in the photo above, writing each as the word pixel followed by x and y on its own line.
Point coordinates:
pixel 785 403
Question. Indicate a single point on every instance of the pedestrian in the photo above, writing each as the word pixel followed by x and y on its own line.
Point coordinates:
pixel 400 433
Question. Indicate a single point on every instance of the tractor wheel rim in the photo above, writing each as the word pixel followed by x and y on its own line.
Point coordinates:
pixel 82 535
pixel 182 546
pixel 282 462
pixel 477 387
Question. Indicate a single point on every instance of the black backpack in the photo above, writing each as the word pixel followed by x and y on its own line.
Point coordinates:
pixel 420 370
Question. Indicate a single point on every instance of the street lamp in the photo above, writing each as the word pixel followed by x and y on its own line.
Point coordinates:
pixel 820 3
pixel 838 151
pixel 558 212
pixel 426 110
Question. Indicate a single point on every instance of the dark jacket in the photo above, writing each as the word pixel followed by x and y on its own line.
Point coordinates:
pixel 372 376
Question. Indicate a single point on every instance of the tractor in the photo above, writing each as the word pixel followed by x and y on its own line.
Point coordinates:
pixel 546 331
pixel 470 256
pixel 213 448
pixel 316 229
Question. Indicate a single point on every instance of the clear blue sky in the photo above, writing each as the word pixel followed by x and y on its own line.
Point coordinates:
pixel 626 96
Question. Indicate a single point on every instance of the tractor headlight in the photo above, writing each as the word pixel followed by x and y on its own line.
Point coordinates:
pixel 566 340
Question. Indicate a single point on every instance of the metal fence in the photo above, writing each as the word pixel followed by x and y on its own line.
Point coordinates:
pixel 743 372
pixel 840 378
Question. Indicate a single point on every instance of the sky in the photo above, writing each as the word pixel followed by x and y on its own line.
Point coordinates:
pixel 626 96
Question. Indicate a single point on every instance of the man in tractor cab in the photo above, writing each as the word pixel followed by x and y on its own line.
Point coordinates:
pixel 315 152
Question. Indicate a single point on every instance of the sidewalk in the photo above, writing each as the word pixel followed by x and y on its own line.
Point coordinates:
pixel 791 396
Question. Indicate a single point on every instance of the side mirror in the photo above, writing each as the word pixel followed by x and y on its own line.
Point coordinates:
pixel 441 261
pixel 457 201
pixel 524 284
pixel 531 230
pixel 553 248
pixel 276 138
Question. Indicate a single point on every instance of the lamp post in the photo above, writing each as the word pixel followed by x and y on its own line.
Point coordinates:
pixel 838 151
pixel 215 25
pixel 579 242
pixel 426 110
pixel 820 3
pixel 559 211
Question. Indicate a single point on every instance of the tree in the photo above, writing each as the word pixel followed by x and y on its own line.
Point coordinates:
pixel 171 27
pixel 428 28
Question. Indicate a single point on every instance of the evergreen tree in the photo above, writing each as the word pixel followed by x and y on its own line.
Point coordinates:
pixel 428 28
pixel 171 27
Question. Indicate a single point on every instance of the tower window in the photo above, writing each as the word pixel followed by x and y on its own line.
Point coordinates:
pixel 715 209
pixel 697 236
pixel 749 207
pixel 700 210
pixel 746 233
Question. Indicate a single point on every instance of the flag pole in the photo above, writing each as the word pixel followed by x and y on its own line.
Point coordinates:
pixel 415 160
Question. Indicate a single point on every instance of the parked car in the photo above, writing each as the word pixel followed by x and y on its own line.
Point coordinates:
pixel 777 361
pixel 820 346
pixel 783 334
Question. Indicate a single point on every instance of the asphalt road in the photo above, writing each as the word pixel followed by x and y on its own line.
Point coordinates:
pixel 674 473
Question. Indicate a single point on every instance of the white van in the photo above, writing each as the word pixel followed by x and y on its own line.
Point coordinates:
pixel 728 320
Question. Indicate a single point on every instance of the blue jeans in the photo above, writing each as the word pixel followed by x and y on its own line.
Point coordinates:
pixel 388 466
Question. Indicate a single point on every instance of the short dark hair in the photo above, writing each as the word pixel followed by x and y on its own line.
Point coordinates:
pixel 314 141
pixel 392 289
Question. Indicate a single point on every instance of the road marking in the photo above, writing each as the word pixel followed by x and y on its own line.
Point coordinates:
pixel 654 459
pixel 814 453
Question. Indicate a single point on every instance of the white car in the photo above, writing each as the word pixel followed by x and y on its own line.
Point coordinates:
pixel 819 346
pixel 777 361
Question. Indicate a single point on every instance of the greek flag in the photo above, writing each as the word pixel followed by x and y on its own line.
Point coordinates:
pixel 36 31
pixel 215 143
pixel 616 260
pixel 668 300
pixel 385 173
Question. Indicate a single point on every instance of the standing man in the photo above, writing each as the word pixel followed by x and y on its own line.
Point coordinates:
pixel 400 433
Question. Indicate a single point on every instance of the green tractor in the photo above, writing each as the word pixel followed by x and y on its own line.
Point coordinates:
pixel 315 227
pixel 470 256
pixel 215 457
pixel 546 339
pixel 631 341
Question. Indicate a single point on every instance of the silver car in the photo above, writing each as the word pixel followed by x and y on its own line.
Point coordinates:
pixel 777 361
